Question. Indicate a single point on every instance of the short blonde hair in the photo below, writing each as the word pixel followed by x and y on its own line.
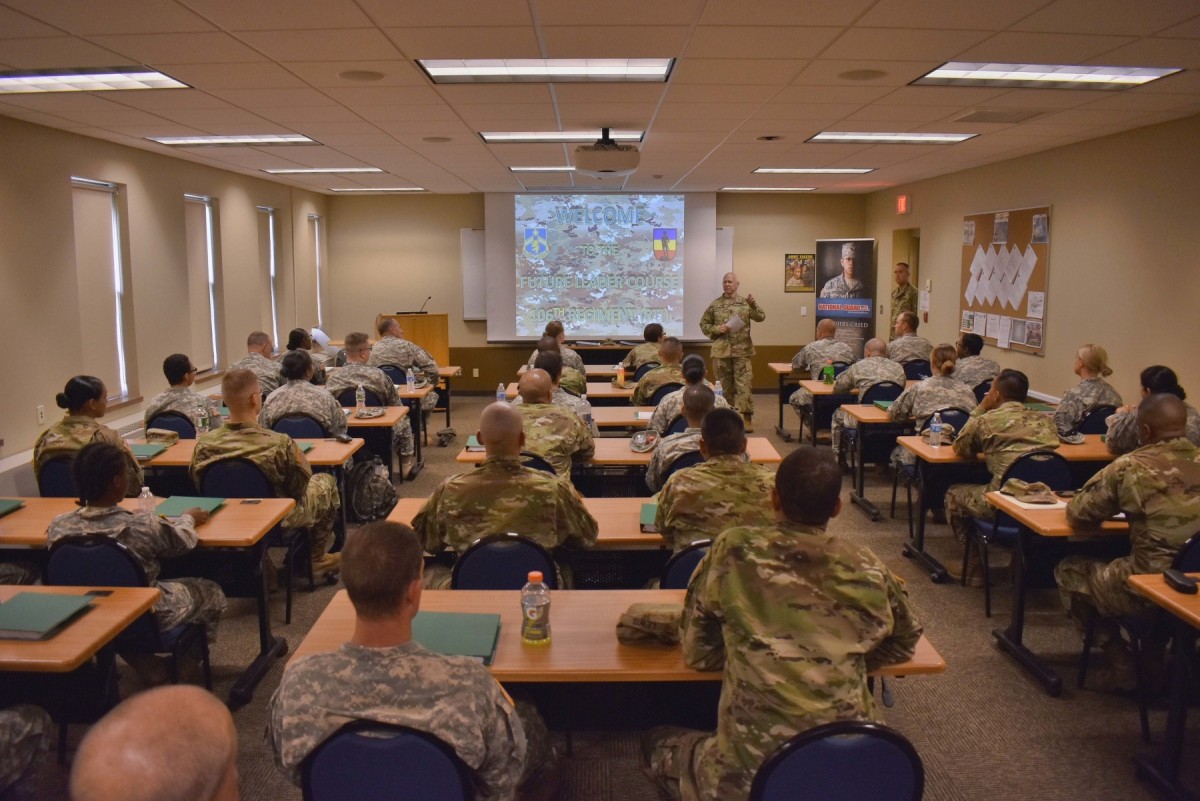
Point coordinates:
pixel 1095 360
pixel 944 358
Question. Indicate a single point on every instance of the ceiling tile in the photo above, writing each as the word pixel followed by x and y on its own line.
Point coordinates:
pixel 1108 16
pixel 273 98
pixel 747 41
pixel 899 44
pixel 611 41
pixel 709 93
pixel 176 98
pixel 1011 47
pixel 479 114
pixel 608 92
pixel 179 48
pixel 766 72
pixel 611 115
pixel 786 112
pixel 965 96
pixel 503 42
pixel 112 16
pixel 1043 98
pixel 854 93
pixel 1184 30
pixel 913 115
pixel 255 75
pixel 229 119
pixel 327 74
pixel 237 15
pixel 660 12
pixel 431 117
pixel 943 14
pixel 321 45
pixel 783 12
pixel 494 93
pixel 828 72
pixel 700 111
pixel 58 51
pixel 384 96
pixel 422 13
pixel 117 115
pixel 15 25
pixel 306 115
pixel 1154 52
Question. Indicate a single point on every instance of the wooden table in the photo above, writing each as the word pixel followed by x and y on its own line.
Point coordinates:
pixel 596 390
pixel 324 453
pixel 590 370
pixel 615 451
pixel 584 646
pixel 622 416
pixel 391 415
pixel 787 385
pixel 446 373
pixel 376 432
pixel 413 401
pixel 875 422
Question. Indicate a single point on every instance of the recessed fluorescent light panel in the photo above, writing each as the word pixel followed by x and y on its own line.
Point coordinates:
pixel 255 140
pixel 1041 76
pixel 99 79
pixel 814 170
pixel 526 137
pixel 323 170
pixel 767 188
pixel 542 169
pixel 547 70
pixel 378 189
pixel 875 138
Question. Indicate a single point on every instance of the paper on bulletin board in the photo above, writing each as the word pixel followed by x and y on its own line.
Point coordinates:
pixel 980 323
pixel 968 322
pixel 1037 305
pixel 1002 336
pixel 993 326
pixel 923 301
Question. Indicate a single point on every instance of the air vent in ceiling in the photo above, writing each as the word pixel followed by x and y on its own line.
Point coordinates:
pixel 999 115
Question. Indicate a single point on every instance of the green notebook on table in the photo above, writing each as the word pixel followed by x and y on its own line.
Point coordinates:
pixel 649 512
pixel 1039 407
pixel 8 505
pixel 147 450
pixel 885 405
pixel 305 447
pixel 459 633
pixel 474 445
pixel 178 504
pixel 37 615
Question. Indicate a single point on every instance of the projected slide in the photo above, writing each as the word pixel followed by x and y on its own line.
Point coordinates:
pixel 606 265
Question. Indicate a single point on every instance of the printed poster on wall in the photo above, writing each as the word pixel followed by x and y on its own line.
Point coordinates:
pixel 846 277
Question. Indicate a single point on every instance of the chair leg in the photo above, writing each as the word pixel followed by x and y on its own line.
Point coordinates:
pixel 1143 692
pixel 289 558
pixel 966 557
pixel 984 554
pixel 1089 636
pixel 895 486
pixel 205 662
pixel 908 496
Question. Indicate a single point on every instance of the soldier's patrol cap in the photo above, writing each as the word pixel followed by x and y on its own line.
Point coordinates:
pixel 847 250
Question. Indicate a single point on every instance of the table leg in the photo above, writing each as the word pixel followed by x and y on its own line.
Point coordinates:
pixel 915 548
pixel 1012 638
pixel 415 416
pixel 270 647
pixel 858 497
pixel 1163 771
pixel 783 433
pixel 446 382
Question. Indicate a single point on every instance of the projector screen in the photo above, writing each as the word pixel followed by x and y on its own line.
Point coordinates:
pixel 605 264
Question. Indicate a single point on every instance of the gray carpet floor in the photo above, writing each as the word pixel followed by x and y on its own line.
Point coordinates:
pixel 984 729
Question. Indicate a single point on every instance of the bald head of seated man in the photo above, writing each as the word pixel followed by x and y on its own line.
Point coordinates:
pixel 501 431
pixel 174 743
pixel 535 386
pixel 1160 417
pixel 698 401
pixel 875 347
pixel 827 329
pixel 241 393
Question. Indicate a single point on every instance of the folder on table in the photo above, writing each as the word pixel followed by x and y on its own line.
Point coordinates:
pixel 885 405
pixel 1038 407
pixel 37 615
pixel 8 505
pixel 178 504
pixel 649 512
pixel 474 445
pixel 305 447
pixel 148 450
pixel 459 633
pixel 642 415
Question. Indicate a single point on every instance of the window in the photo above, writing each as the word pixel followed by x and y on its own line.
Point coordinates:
pixel 268 260
pixel 317 225
pixel 202 269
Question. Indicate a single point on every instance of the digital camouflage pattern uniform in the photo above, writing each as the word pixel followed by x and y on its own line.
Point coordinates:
pixel 453 698
pixel 1002 435
pixel 318 364
pixel 267 370
pixel 1123 435
pixel 812 359
pixel 573 380
pixel 731 352
pixel 67 438
pixel 182 400
pixel 24 737
pixel 301 397
pixel 653 379
pixel 405 355
pixel 974 370
pixel 285 467
pixel 557 435
pixel 569 358
pixel 500 496
pixel 839 287
pixel 796 618
pixel 669 449
pixel 859 377
pixel 924 398
pixel 374 380
pixel 641 354
pixel 904 298
pixel 567 401
pixel 1157 486
pixel 723 492
pixel 909 347
pixel 183 600
pixel 1080 399
pixel 671 407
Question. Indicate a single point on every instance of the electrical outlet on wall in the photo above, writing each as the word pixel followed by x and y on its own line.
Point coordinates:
pixel 803 311
pixel 475 373
pixel 41 415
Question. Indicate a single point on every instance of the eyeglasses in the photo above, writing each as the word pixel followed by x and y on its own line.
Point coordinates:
pixel 193 370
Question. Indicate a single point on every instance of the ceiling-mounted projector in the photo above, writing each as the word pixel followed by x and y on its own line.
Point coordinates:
pixel 606 158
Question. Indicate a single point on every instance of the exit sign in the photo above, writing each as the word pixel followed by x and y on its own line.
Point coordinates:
pixel 903 204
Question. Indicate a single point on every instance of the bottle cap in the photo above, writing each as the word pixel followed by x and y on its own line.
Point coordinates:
pixel 535 576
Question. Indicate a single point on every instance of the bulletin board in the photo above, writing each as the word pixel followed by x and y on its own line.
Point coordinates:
pixel 1005 272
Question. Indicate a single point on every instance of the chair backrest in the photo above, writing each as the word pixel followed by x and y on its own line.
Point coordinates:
pixel 394 372
pixel 848 760
pixel 954 415
pixel 235 478
pixel 677 426
pixel 368 761
pixel 664 391
pixel 1188 558
pixel 174 421
pixel 537 462
pixel 884 390
pixel 1048 467
pixel 645 368
pixel 981 389
pixel 339 358
pixel 683 462
pixel 347 397
pixel 299 426
pixel 55 479
pixel 839 368
pixel 1096 420
pixel 677 572
pixel 502 562
pixel 917 369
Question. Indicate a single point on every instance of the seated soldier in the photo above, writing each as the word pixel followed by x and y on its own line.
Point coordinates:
pixel 179 397
pixel 698 401
pixel 671 406
pixel 300 396
pixel 280 461
pixel 392 348
pixel 723 491
pixel 796 618
pixel 874 368
pixel 571 380
pixel 907 346
pixel 557 435
pixel 357 373
pixel 551 362
pixel 259 360
pixel 1091 365
pixel 646 352
pixel 382 675
pixel 300 339
pixel 670 353
pixel 939 391
pixel 86 400
pixel 813 357
pixel 972 368
pixel 1157 487
pixel 24 739
pixel 1122 425
pixel 554 329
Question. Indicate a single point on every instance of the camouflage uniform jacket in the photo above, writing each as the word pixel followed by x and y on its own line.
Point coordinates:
pixel 558 436
pixel 573 380
pixel 666 452
pixel 68 436
pixel 562 398
pixel 301 397
pixel 499 496
pixel 816 354
pixel 734 343
pixel 671 407
pixel 704 500
pixel 405 355
pixel 974 370
pixel 182 400
pixel 642 354
pixel 276 455
pixel 269 377
pixel 569 359
pixel 1123 435
pixel 903 299
pixel 1003 435
pixel 451 697
pixel 371 378
pixel 796 618
pixel 867 373
pixel 1082 398
pixel 24 736
pixel 839 287
pixel 909 347
pixel 652 380
pixel 1157 486
pixel 925 397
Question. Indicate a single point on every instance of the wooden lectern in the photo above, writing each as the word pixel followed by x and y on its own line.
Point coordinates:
pixel 430 331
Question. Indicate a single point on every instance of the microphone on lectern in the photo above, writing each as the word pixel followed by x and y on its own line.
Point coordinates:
pixel 422 309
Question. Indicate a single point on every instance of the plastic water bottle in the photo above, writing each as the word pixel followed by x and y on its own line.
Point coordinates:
pixel 202 426
pixel 501 397
pixel 146 503
pixel 586 412
pixel 535 611
pixel 717 391
pixel 411 379
pixel 935 430
pixel 620 374
pixel 360 398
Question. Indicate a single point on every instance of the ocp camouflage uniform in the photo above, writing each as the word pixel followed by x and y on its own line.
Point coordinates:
pixel 909 347
pixel 653 379
pixel 375 380
pixel 301 397
pixel 859 377
pixel 406 355
pixel 731 352
pixel 182 400
pixel 267 370
pixel 24 736
pixel 1080 399
pixel 1002 435
pixel 839 287
pixel 812 358
pixel 183 600
pixel 924 398
pixel 641 354
pixel 1157 486
pixel 796 618
pixel 573 380
pixel 669 449
pixel 671 407
pixel 903 299
pixel 500 496
pixel 1123 434
pixel 974 370
pixel 453 698
pixel 567 401
pixel 284 467
pixel 557 435
pixel 569 358
pixel 67 438
pixel 704 500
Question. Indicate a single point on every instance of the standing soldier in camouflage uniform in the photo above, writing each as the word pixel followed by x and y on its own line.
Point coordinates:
pixel 499 496
pixel 1091 365
pixel 551 362
pixel 812 359
pixel 723 491
pixel 358 373
pixel 922 399
pixel 796 619
pixel 874 368
pixel 906 346
pixel 24 738
pixel 259 361
pixel 1157 487
pixel 1003 430
pixel 904 296
pixel 179 397
pixel 300 396
pixel 279 460
pixel 382 675
pixel 670 352
pixel 698 401
pixel 1122 426
pixel 731 350
pixel 554 329
pixel 553 433
pixel 85 398
pixel 393 349
pixel 671 406
pixel 973 369
pixel 845 285
pixel 646 352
